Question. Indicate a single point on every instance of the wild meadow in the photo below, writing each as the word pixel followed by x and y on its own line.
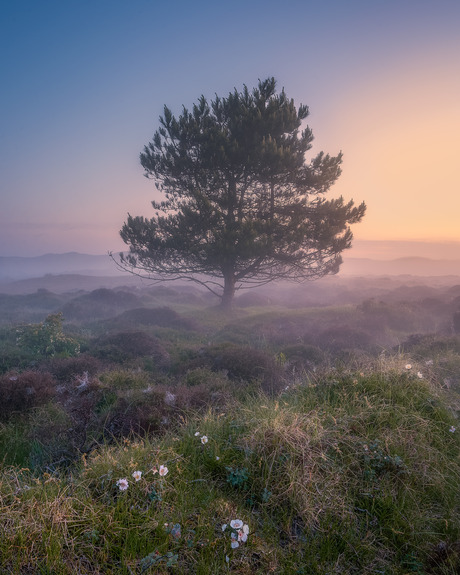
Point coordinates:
pixel 145 431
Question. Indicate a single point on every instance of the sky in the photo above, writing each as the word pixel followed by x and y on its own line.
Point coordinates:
pixel 85 81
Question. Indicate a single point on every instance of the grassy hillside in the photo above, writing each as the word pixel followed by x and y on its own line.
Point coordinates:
pixel 179 440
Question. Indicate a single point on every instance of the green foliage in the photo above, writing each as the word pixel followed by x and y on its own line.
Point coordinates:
pixel 343 473
pixel 47 339
pixel 120 347
pixel 156 558
pixel 242 205
pixel 351 469
pixel 237 477
pixel 377 461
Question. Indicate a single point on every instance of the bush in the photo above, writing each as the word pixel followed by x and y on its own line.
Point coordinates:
pixel 456 322
pixel 241 364
pixel 252 299
pixel 66 369
pixel 47 339
pixel 128 345
pixel 342 337
pixel 100 303
pixel 23 391
pixel 161 316
pixel 303 355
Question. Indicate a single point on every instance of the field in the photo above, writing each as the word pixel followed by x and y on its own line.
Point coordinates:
pixel 313 431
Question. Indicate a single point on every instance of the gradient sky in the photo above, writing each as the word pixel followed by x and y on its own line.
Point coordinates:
pixel 83 83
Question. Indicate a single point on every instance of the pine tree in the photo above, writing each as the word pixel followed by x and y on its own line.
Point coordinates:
pixel 242 206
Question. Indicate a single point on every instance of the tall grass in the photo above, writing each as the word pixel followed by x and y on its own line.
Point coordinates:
pixel 346 472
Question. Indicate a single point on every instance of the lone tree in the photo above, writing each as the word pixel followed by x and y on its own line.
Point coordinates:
pixel 242 206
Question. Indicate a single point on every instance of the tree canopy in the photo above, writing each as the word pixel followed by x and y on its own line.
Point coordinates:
pixel 242 205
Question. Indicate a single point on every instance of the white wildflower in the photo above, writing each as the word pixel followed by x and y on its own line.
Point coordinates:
pixel 122 484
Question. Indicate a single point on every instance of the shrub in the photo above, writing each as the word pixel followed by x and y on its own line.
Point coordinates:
pixel 456 322
pixel 252 299
pixel 23 391
pixel 100 303
pixel 303 355
pixel 342 337
pixel 245 364
pixel 127 345
pixel 47 339
pixel 66 369
pixel 161 316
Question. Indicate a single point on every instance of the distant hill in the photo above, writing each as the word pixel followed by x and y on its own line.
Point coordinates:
pixel 414 266
pixel 18 268
pixel 72 271
pixel 70 283
pixel 394 249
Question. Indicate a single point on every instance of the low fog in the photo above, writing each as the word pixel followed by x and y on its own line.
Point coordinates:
pixel 371 303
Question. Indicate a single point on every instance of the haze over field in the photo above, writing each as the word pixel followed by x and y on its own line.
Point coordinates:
pixel 366 258
pixel 83 85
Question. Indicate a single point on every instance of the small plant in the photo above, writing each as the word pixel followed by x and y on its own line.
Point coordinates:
pixel 237 477
pixel 155 559
pixel 377 462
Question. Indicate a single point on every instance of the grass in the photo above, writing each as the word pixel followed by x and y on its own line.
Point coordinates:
pixel 349 472
pixel 340 459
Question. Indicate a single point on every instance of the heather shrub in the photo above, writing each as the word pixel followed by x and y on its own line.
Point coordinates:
pixel 100 303
pixel 66 369
pixel 149 410
pixel 161 316
pixel 428 344
pixel 400 316
pixel 22 391
pixel 205 376
pixel 245 364
pixel 127 345
pixel 303 355
pixel 341 337
pixel 252 299
pixel 456 322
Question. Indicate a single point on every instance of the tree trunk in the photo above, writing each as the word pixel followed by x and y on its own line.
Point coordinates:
pixel 226 302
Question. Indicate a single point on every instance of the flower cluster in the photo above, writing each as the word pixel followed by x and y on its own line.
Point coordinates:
pixel 408 366
pixel 123 483
pixel 204 438
pixel 239 533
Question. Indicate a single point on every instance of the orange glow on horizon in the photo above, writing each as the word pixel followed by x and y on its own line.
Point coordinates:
pixel 399 135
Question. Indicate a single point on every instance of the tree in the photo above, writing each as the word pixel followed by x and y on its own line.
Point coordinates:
pixel 242 206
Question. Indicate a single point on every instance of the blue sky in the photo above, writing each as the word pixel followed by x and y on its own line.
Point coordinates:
pixel 84 82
